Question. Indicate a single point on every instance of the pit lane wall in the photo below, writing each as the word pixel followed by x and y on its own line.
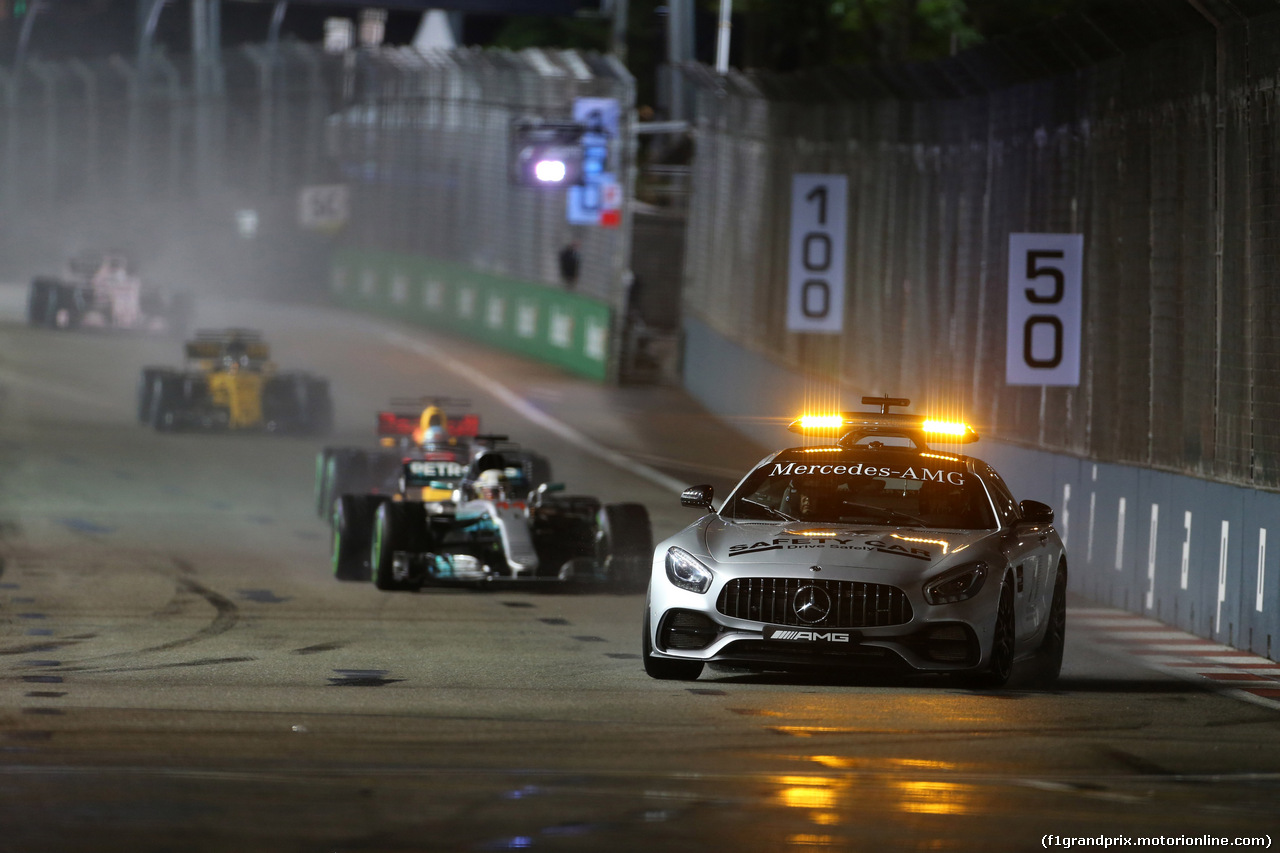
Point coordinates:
pixel 1188 552
pixel 534 320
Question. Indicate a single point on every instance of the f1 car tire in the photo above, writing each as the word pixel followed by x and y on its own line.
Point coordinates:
pixel 297 403
pixel 323 499
pixel 666 669
pixel 398 526
pixel 344 473
pixel 1049 656
pixel 352 532
pixel 177 399
pixel 165 401
pixel 624 545
pixel 146 388
pixel 38 303
pixel 382 470
pixel 52 303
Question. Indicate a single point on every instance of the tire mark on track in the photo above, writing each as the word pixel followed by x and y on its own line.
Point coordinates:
pixel 226 616
pixel 184 664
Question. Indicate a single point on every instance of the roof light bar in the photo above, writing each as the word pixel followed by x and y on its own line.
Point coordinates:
pixel 954 429
pixel 852 425
pixel 821 422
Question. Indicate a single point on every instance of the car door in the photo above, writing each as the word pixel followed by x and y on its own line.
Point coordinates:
pixel 1026 545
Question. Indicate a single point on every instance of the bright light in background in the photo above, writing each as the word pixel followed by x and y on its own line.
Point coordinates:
pixel 247 223
pixel 550 171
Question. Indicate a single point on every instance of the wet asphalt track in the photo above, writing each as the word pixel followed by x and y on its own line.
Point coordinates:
pixel 179 671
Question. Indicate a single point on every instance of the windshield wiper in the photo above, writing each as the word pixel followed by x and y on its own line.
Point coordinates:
pixel 782 516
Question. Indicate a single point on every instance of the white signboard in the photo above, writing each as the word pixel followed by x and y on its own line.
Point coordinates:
pixel 323 208
pixel 815 270
pixel 597 115
pixel 1043 334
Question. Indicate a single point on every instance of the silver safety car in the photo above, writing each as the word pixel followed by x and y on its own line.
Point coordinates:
pixel 867 548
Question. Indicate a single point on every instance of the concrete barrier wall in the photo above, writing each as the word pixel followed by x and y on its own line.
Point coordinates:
pixel 532 319
pixel 1191 553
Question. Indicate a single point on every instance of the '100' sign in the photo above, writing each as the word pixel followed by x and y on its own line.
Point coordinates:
pixel 815 269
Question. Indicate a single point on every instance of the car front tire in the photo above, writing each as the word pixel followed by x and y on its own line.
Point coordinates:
pixel 624 545
pixel 1049 655
pixel 397 526
pixel 351 534
pixel 1000 668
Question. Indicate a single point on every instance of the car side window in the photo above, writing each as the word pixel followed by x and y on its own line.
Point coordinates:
pixel 1006 506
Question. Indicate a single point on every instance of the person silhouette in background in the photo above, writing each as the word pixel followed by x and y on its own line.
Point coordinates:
pixel 570 260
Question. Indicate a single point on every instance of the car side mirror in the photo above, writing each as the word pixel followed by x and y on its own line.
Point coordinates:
pixel 1034 512
pixel 538 495
pixel 697 497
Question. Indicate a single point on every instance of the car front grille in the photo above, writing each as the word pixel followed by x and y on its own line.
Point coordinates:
pixel 851 604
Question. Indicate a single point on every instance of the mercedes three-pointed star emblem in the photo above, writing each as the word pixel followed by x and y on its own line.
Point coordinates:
pixel 811 604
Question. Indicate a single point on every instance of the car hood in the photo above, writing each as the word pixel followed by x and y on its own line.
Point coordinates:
pixel 735 543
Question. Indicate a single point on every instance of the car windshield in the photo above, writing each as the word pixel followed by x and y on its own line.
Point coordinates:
pixel 903 488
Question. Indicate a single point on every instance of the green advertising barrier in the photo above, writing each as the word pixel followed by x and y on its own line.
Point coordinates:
pixel 541 322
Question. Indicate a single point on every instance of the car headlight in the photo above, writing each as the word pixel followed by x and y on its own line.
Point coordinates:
pixel 684 570
pixel 956 585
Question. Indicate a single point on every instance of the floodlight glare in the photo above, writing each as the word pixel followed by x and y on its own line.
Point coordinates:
pixel 546 153
pixel 550 171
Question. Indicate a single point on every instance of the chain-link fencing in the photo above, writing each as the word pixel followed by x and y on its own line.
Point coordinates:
pixel 202 179
pixel 425 145
pixel 1150 130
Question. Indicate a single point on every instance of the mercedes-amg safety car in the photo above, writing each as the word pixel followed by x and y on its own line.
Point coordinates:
pixel 868 549
pixel 102 290
pixel 230 383
pixel 498 530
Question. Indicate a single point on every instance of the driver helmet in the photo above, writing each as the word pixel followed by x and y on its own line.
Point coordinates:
pixel 236 355
pixel 436 436
pixel 491 484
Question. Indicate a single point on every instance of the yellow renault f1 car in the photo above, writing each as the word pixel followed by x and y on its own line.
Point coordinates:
pixel 230 383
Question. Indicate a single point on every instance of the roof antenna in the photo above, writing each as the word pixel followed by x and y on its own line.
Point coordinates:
pixel 885 402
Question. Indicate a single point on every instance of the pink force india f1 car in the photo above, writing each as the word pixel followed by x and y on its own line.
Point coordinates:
pixel 102 290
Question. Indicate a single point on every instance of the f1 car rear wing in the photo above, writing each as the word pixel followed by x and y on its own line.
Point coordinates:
pixel 216 344
pixel 84 265
pixel 405 424
pixel 851 427
pixel 426 412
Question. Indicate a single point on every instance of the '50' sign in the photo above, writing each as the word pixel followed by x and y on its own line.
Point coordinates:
pixel 1043 343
